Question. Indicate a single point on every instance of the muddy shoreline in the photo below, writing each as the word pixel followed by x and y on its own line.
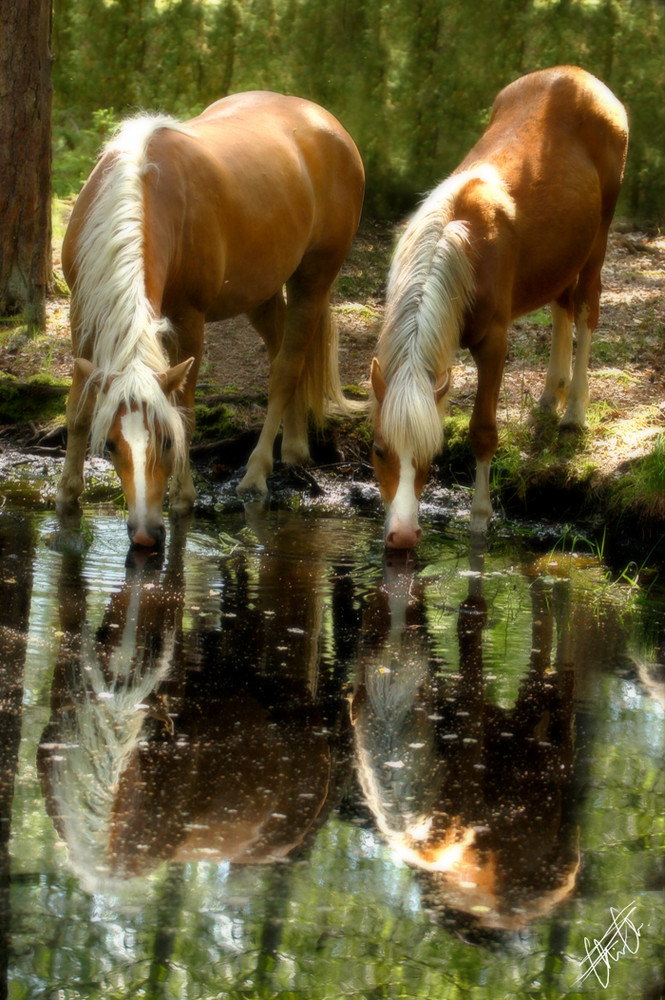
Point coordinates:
pixel 552 513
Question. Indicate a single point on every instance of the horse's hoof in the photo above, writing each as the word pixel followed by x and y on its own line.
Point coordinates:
pixel 181 508
pixel 296 457
pixel 67 507
pixel 479 524
pixel 71 537
pixel 572 431
pixel 542 416
pixel 252 488
pixel 294 477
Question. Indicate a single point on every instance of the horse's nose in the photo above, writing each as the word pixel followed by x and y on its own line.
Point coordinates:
pixel 148 537
pixel 403 536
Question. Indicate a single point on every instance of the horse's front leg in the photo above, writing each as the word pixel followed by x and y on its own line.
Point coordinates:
pixel 283 383
pixel 489 356
pixel 182 492
pixel 269 320
pixel 80 406
pixel 187 343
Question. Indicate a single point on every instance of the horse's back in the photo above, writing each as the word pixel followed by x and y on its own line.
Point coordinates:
pixel 543 183
pixel 547 124
pixel 240 193
pixel 252 185
pixel 261 134
pixel 568 95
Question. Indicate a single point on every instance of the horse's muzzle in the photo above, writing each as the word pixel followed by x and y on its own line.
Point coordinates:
pixel 403 536
pixel 148 537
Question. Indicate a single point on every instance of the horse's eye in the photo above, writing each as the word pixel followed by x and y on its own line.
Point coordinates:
pixel 110 445
pixel 167 444
pixel 379 452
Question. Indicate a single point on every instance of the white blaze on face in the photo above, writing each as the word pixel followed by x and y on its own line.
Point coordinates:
pixel 135 434
pixel 403 512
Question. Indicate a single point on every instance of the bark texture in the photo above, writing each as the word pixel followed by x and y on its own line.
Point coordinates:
pixel 25 157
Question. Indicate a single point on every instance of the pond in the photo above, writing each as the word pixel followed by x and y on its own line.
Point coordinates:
pixel 275 763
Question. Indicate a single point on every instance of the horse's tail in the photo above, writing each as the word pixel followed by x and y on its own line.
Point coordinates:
pixel 320 386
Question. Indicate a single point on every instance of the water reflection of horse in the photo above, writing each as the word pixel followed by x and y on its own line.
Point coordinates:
pixel 476 797
pixel 217 743
pixel 184 223
pixel 522 222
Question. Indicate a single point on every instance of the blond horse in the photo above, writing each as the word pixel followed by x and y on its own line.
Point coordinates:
pixel 522 222
pixel 184 223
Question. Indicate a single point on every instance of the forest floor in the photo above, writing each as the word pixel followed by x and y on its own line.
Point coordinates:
pixel 534 469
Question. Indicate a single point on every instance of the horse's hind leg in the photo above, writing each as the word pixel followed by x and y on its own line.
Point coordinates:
pixel 578 392
pixel 268 319
pixel 305 309
pixel 587 309
pixel 557 380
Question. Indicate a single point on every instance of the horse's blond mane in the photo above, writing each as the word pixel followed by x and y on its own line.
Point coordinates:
pixel 99 736
pixel 113 311
pixel 430 285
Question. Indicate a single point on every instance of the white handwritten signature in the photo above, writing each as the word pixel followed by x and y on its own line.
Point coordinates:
pixel 615 942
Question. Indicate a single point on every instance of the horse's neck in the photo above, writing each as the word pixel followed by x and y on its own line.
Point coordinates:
pixel 430 287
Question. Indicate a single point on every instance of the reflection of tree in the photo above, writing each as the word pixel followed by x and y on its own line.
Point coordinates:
pixel 16 548
pixel 475 796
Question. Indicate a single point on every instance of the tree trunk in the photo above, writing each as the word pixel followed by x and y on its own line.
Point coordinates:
pixel 25 158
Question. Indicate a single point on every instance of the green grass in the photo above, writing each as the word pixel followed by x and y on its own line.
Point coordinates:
pixel 365 313
pixel 642 487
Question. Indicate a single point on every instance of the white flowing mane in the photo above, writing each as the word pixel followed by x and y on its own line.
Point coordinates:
pixel 430 285
pixel 97 741
pixel 113 310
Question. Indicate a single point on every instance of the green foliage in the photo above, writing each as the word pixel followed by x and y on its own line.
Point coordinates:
pixel 76 147
pixel 412 80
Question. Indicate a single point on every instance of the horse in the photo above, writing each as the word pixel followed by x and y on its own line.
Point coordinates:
pixel 522 222
pixel 183 223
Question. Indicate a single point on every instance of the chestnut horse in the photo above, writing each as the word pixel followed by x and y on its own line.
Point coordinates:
pixel 184 223
pixel 522 222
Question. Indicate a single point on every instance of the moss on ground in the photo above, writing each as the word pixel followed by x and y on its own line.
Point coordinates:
pixel 215 422
pixel 38 399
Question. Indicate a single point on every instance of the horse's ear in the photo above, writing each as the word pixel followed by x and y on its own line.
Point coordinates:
pixel 377 380
pixel 442 386
pixel 85 370
pixel 173 378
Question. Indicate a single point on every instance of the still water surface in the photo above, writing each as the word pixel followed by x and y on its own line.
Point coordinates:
pixel 274 765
